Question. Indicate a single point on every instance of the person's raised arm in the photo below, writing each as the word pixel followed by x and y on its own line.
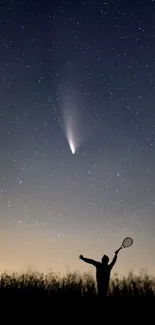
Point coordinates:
pixel 88 260
pixel 114 259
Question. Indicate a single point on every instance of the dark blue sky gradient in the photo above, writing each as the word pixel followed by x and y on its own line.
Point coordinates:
pixel 95 59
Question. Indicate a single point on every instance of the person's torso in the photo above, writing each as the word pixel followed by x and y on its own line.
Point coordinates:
pixel 103 273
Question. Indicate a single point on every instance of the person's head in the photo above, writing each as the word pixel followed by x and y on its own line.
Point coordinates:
pixel 105 259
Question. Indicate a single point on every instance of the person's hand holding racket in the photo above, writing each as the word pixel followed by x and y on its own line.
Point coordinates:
pixel 127 242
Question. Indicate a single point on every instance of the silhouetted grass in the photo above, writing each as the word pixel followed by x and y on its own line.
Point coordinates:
pixel 40 286
pixel 73 298
pixel 51 285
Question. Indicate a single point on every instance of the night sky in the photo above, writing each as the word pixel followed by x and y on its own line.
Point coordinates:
pixel 77 133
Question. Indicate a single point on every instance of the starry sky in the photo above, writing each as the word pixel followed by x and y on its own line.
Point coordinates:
pixel 77 74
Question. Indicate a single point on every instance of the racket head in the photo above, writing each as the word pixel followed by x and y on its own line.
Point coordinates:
pixel 127 242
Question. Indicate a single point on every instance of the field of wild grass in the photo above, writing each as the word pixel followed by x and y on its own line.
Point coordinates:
pixel 39 286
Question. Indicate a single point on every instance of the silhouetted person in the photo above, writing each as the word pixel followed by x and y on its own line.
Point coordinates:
pixel 103 270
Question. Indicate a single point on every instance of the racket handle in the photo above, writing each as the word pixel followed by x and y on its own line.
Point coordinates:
pixel 118 250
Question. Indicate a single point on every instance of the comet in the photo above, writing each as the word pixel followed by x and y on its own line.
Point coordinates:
pixel 71 141
pixel 70 133
pixel 72 118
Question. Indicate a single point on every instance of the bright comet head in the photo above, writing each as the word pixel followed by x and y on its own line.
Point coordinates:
pixel 72 149
pixel 70 127
pixel 71 143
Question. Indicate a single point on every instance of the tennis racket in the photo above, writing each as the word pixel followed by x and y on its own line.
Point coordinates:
pixel 127 242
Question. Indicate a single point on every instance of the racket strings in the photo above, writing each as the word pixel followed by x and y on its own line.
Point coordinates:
pixel 127 242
